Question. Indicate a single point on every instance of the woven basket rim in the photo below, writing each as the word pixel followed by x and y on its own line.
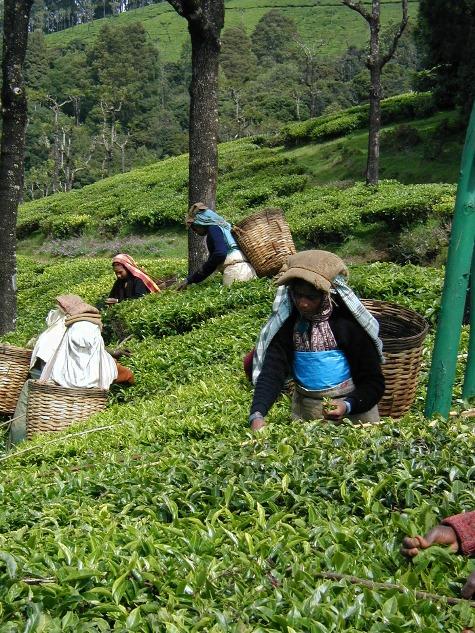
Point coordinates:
pixel 13 350
pixel 406 314
pixel 259 215
pixel 57 389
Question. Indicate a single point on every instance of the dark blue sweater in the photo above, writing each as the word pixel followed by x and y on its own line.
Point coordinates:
pixel 218 251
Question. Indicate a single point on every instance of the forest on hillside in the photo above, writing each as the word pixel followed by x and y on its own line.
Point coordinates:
pixel 105 102
pixel 103 105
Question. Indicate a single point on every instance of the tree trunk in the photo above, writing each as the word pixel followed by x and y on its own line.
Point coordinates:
pixel 205 22
pixel 375 94
pixel 14 117
pixel 203 142
pixel 375 64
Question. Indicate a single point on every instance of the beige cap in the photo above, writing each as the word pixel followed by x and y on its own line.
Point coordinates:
pixel 318 268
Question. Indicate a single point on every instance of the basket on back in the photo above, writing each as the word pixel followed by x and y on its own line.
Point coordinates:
pixel 14 367
pixel 53 408
pixel 266 240
pixel 403 332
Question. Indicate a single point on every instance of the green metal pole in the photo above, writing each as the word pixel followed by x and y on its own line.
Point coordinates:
pixel 469 380
pixel 444 358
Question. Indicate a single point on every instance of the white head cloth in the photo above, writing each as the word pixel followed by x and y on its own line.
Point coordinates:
pixel 81 359
pixel 48 341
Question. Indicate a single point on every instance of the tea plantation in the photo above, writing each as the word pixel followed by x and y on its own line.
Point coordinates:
pixel 258 172
pixel 164 513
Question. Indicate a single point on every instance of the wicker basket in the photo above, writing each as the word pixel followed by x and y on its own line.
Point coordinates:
pixel 14 367
pixel 402 332
pixel 266 240
pixel 53 408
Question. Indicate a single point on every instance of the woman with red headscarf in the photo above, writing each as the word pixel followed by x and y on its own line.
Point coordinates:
pixel 131 282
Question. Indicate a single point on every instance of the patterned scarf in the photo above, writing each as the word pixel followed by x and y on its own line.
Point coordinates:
pixel 282 308
pixel 315 335
pixel 129 264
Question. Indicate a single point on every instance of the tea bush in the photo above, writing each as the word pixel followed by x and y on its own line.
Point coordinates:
pixel 251 177
pixel 164 514
pixel 399 108
pixel 332 214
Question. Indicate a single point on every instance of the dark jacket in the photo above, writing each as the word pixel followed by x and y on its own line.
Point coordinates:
pixel 130 288
pixel 218 252
pixel 352 340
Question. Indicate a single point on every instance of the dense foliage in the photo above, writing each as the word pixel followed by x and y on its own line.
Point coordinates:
pixel 172 518
pixel 251 177
pixel 446 33
pixel 406 107
pixel 114 96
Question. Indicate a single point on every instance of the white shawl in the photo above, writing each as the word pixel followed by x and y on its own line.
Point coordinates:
pixel 48 341
pixel 81 359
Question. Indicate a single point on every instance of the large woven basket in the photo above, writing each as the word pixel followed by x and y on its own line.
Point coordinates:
pixel 266 240
pixel 53 408
pixel 14 366
pixel 402 331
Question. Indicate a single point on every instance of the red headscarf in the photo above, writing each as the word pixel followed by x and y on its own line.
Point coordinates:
pixel 129 264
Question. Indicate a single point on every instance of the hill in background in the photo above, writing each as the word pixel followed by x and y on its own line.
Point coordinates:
pixel 328 22
pixel 113 94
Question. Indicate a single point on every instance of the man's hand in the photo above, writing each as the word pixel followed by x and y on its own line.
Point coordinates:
pixel 257 424
pixel 440 535
pixel 468 590
pixel 334 410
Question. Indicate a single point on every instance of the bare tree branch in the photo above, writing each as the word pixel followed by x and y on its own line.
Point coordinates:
pixel 397 36
pixel 359 8
pixel 375 586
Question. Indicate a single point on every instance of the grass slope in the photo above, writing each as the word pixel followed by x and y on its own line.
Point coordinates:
pixel 336 26
pixel 173 519
pixel 429 159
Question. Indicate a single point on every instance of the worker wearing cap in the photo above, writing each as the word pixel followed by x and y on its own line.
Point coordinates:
pixel 322 336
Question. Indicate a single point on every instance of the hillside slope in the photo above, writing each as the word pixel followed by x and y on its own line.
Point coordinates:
pixel 334 25
pixel 314 183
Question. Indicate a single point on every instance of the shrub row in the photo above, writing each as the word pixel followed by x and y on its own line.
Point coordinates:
pixel 405 107
pixel 156 195
pixel 324 214
pixel 173 518
pixel 251 177
pixel 170 313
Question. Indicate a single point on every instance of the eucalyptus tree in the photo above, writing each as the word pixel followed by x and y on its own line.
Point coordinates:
pixel 205 21
pixel 375 63
pixel 16 19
